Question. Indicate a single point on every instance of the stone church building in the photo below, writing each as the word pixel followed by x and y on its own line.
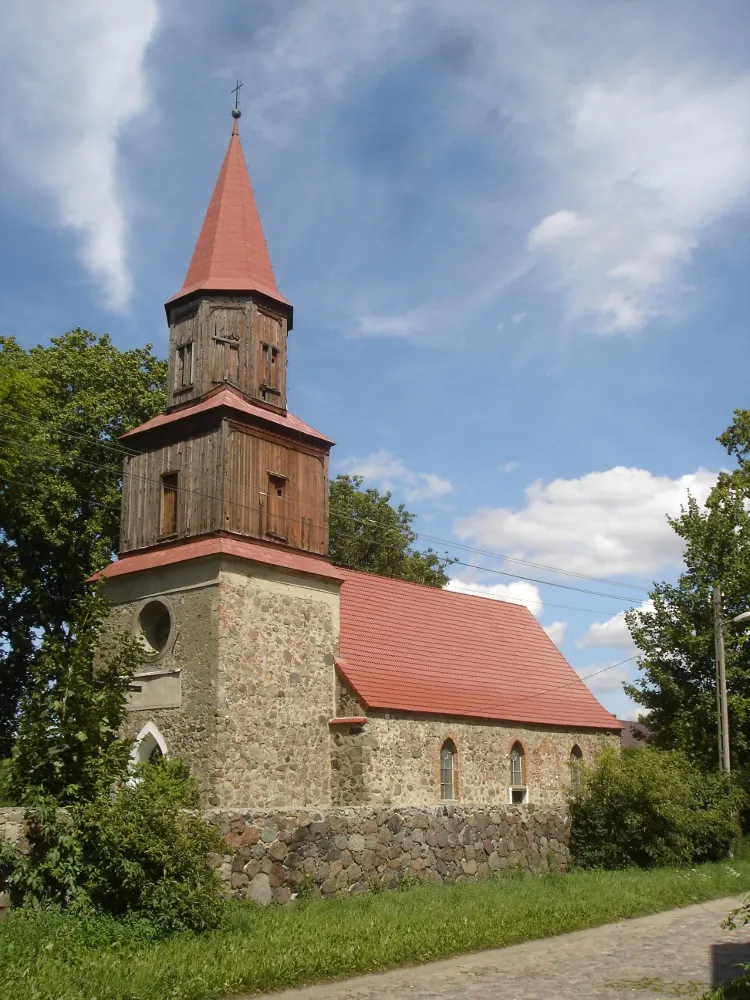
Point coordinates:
pixel 286 681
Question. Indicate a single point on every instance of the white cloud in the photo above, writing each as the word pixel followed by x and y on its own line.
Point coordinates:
pixel 390 473
pixel 613 632
pixel 604 682
pixel 517 592
pixel 71 78
pixel 556 631
pixel 509 467
pixel 603 523
pixel 627 122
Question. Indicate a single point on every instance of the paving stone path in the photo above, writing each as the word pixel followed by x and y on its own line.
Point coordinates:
pixel 675 954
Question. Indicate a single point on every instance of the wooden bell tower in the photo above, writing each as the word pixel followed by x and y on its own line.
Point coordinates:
pixel 227 456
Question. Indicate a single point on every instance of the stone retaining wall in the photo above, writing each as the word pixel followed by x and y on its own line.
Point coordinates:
pixel 274 855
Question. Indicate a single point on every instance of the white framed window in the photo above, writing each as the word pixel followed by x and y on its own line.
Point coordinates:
pixel 518 793
pixel 149 745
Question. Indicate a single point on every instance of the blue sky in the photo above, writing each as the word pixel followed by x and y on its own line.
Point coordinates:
pixel 515 236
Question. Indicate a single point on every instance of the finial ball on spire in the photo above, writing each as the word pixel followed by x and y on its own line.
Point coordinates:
pixel 236 113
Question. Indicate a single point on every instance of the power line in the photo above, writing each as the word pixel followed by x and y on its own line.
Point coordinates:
pixel 458 562
pixel 362 520
pixel 574 680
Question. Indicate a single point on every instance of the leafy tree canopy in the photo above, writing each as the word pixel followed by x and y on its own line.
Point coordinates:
pixel 369 533
pixel 62 408
pixel 678 681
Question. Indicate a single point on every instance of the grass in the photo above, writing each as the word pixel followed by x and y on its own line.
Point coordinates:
pixel 47 955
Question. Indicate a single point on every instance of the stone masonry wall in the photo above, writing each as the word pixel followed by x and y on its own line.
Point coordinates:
pixel 273 855
pixel 278 635
pixel 192 593
pixel 394 759
pixel 12 830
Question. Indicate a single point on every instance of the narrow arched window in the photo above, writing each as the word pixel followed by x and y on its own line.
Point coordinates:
pixel 576 760
pixel 448 770
pixel 517 775
pixel 149 746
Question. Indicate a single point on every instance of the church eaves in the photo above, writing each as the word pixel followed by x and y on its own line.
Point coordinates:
pixel 231 254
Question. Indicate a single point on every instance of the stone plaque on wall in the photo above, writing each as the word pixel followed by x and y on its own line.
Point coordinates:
pixel 155 689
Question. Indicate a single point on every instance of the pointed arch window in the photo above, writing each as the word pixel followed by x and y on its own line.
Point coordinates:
pixel 576 762
pixel 150 745
pixel 448 770
pixel 518 790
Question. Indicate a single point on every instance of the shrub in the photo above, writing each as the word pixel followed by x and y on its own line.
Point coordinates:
pixel 141 854
pixel 647 807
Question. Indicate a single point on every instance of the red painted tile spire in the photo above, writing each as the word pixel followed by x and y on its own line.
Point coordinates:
pixel 231 253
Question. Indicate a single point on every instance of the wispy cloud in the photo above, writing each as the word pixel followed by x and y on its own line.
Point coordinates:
pixel 71 77
pixel 407 325
pixel 617 136
pixel 390 473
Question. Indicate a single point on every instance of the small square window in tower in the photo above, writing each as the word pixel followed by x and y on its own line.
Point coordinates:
pixel 184 367
pixel 270 377
pixel 277 517
pixel 169 488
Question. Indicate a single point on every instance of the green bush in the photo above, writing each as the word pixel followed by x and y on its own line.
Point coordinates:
pixel 647 807
pixel 140 854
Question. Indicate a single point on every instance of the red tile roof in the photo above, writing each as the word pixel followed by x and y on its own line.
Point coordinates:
pixel 348 720
pixel 226 397
pixel 420 649
pixel 168 555
pixel 231 252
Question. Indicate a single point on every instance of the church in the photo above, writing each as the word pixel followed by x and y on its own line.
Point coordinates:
pixel 288 682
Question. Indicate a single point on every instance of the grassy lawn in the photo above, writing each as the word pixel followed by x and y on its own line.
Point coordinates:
pixel 261 950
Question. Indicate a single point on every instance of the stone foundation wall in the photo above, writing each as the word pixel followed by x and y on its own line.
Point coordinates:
pixel 274 855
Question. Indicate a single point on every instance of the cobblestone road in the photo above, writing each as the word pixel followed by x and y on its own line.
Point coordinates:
pixel 678 953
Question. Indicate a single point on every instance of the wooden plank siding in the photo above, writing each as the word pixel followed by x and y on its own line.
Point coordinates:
pixel 224 473
pixel 227 334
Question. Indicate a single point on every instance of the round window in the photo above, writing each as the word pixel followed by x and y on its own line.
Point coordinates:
pixel 154 627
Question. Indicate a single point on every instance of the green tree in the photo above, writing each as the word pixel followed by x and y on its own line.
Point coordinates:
pixel 62 408
pixel 677 684
pixel 68 747
pixel 369 533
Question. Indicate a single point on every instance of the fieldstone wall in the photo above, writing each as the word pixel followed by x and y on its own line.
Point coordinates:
pixel 394 759
pixel 279 632
pixel 192 593
pixel 12 830
pixel 272 856
pixel 254 647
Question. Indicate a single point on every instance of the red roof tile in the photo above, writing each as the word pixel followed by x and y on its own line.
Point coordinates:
pixel 168 555
pixel 226 397
pixel 348 720
pixel 231 252
pixel 420 649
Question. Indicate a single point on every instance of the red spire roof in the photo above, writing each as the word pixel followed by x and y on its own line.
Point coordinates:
pixel 231 253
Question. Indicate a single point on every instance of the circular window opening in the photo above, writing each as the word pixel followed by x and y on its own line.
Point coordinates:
pixel 155 625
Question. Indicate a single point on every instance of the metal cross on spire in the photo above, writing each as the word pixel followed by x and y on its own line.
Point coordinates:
pixel 236 109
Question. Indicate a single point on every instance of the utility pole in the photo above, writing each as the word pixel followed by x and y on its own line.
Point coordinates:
pixel 721 684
